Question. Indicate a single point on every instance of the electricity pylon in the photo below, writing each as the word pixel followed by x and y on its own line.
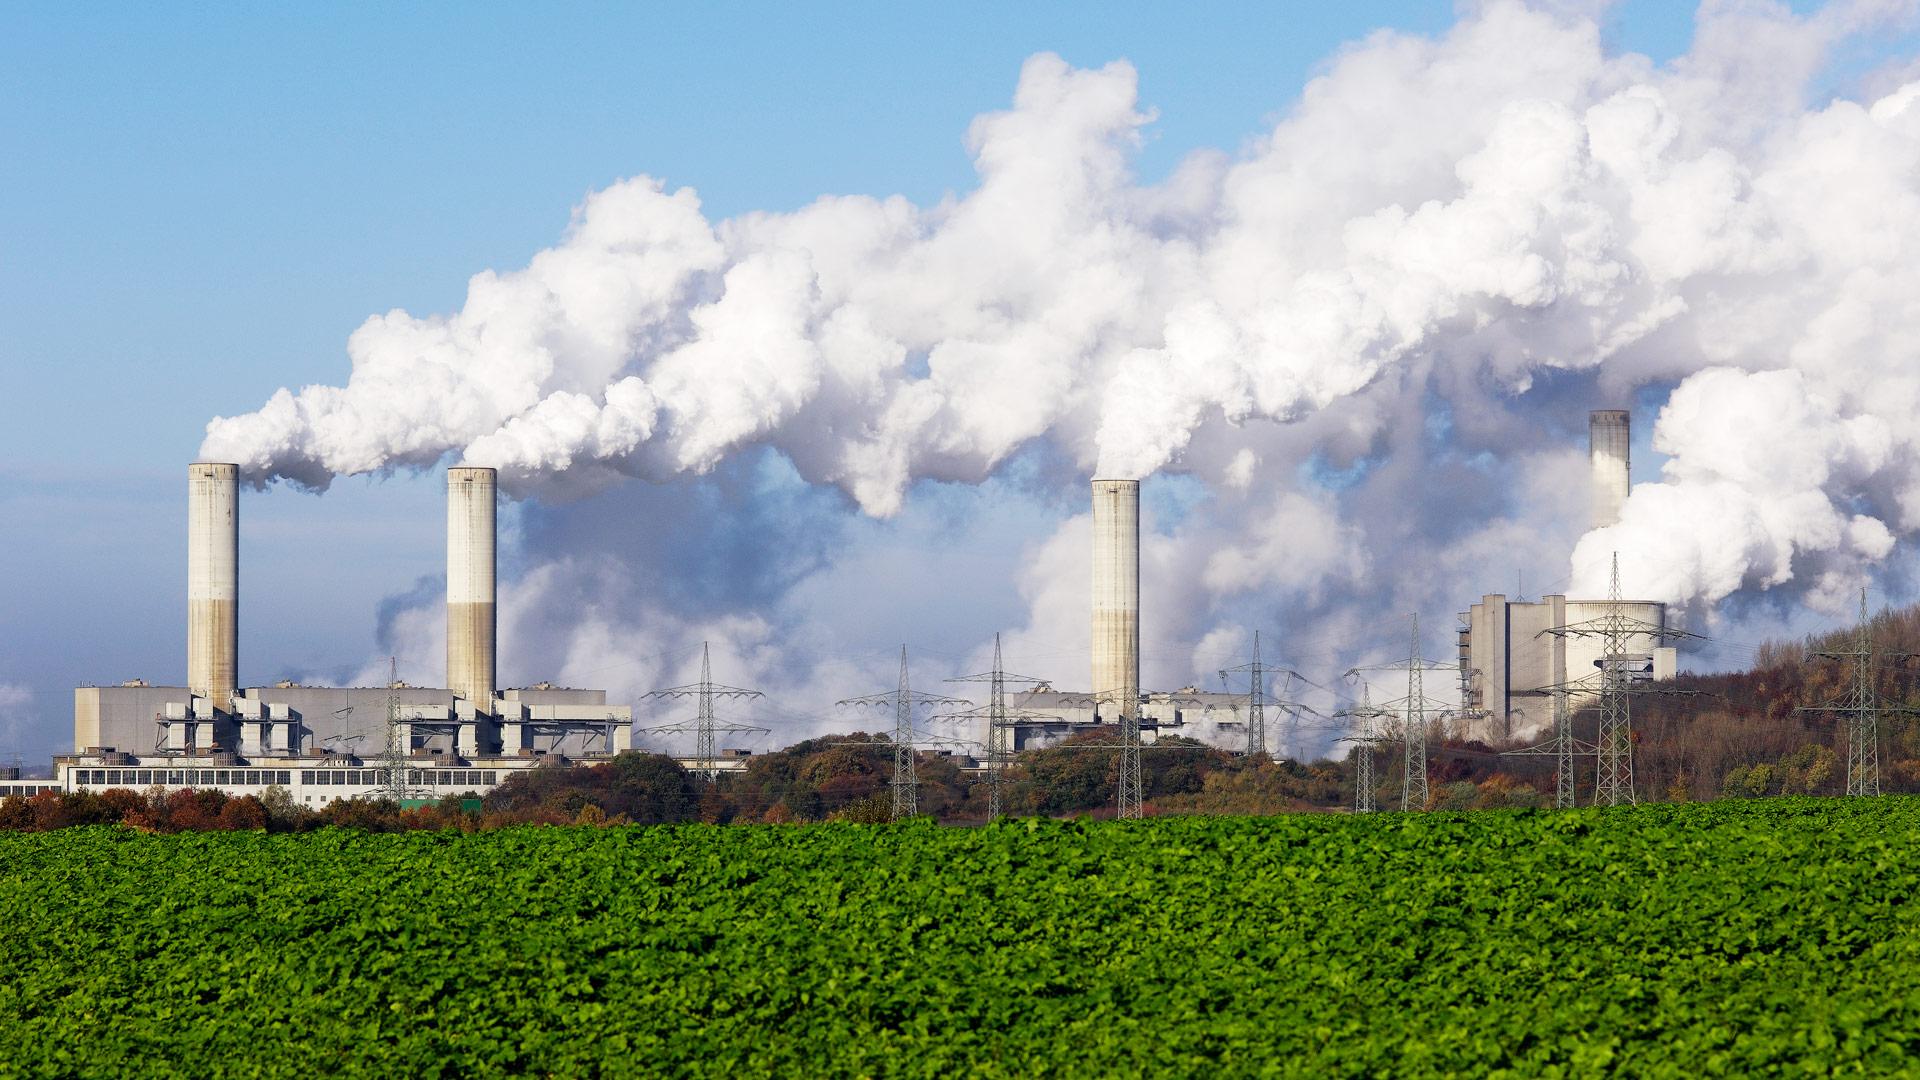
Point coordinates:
pixel 1414 791
pixel 1258 671
pixel 704 725
pixel 1413 787
pixel 1861 706
pixel 1130 787
pixel 1563 753
pixel 1363 748
pixel 393 759
pixel 1561 744
pixel 1613 744
pixel 1256 699
pixel 906 774
pixel 1001 722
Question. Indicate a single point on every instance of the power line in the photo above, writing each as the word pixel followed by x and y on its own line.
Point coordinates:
pixel 906 780
pixel 1363 750
pixel 1561 745
pixel 1256 700
pixel 1001 722
pixel 704 724
pixel 1620 676
pixel 1414 790
pixel 1413 787
pixel 1861 707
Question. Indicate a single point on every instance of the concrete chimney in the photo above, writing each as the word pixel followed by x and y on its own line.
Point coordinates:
pixel 213 581
pixel 470 585
pixel 1609 443
pixel 1116 595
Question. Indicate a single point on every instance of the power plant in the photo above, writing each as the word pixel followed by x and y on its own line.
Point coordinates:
pixel 326 743
pixel 329 743
pixel 1511 663
pixel 1047 715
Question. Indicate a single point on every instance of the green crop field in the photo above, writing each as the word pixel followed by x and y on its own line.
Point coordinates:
pixel 1679 940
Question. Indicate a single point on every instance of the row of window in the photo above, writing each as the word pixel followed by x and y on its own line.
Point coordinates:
pixel 182 777
pixel 466 778
pixel 26 791
pixel 454 778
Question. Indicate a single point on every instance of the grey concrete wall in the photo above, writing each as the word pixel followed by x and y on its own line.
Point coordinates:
pixel 120 716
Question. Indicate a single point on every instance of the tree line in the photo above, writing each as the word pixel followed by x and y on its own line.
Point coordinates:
pixel 1734 735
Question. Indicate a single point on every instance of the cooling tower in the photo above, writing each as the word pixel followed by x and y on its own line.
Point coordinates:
pixel 1116 594
pixel 1610 437
pixel 213 581
pixel 470 585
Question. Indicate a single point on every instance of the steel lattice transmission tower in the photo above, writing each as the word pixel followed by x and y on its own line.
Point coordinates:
pixel 1001 722
pixel 1861 706
pixel 1258 672
pixel 1129 784
pixel 393 757
pixel 1256 699
pixel 1413 708
pixel 704 725
pixel 1132 801
pixel 1613 783
pixel 1618 682
pixel 1563 753
pixel 906 773
pixel 1561 745
pixel 1364 779
pixel 1413 786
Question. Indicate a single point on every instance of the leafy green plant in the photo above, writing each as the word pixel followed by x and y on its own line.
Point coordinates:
pixel 1728 938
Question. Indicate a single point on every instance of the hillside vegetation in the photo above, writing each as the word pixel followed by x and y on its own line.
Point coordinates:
pixel 1725 939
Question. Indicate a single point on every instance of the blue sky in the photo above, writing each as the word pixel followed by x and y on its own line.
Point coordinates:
pixel 201 204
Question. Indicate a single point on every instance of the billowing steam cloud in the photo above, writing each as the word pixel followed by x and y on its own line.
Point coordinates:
pixel 1370 339
pixel 16 703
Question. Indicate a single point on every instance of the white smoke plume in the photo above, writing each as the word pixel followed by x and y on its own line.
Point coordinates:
pixel 1370 339
pixel 16 707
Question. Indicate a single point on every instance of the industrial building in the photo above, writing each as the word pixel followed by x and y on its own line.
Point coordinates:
pixel 329 743
pixel 1047 716
pixel 1217 719
pixel 1510 661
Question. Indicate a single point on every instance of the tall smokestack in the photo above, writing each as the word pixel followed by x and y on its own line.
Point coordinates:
pixel 213 581
pixel 1609 442
pixel 470 585
pixel 1116 593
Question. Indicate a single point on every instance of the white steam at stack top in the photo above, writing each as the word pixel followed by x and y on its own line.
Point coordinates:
pixel 1609 451
pixel 1403 236
pixel 213 581
pixel 1116 595
pixel 471 568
